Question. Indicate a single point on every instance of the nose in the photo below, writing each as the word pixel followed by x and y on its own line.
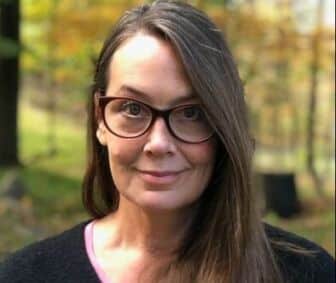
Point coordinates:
pixel 159 139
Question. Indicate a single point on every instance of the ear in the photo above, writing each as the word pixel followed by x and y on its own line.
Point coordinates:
pixel 101 134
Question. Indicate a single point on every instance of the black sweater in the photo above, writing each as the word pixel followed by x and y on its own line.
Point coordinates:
pixel 63 259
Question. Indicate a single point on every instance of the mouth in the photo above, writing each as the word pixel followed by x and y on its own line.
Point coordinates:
pixel 159 177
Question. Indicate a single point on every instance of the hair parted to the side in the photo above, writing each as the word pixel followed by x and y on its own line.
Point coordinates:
pixel 226 242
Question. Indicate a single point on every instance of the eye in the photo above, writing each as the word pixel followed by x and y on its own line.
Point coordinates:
pixel 132 108
pixel 193 113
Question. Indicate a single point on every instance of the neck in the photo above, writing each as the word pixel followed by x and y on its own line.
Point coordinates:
pixel 150 232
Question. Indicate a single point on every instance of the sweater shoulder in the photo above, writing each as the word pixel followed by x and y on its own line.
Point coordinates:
pixel 299 259
pixel 45 259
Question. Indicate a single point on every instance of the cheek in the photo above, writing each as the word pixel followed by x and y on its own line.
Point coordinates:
pixel 202 157
pixel 202 154
pixel 122 151
pixel 123 154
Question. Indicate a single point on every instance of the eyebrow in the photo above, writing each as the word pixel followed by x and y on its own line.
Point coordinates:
pixel 140 94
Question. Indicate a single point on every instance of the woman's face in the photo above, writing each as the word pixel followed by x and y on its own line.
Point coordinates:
pixel 155 170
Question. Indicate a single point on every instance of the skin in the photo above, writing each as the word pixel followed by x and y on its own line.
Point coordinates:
pixel 154 211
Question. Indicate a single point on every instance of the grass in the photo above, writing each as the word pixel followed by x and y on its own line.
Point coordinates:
pixel 68 145
pixel 52 179
pixel 53 183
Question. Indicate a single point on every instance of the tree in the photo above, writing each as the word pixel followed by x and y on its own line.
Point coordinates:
pixel 311 118
pixel 9 81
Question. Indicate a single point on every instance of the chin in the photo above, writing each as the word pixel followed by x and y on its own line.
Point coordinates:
pixel 163 202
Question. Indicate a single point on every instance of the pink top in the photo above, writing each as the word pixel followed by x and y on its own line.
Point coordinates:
pixel 88 236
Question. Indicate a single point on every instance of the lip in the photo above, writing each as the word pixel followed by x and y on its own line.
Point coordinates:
pixel 159 173
pixel 159 177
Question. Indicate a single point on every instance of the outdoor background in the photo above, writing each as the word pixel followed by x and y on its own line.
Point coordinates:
pixel 285 50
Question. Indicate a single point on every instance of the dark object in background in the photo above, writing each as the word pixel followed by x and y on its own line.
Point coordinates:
pixel 280 193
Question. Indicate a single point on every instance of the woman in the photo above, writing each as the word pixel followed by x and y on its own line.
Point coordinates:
pixel 168 177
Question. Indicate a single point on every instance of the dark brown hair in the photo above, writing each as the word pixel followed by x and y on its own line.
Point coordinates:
pixel 226 241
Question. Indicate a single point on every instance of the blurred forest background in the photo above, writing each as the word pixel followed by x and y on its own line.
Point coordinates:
pixel 285 50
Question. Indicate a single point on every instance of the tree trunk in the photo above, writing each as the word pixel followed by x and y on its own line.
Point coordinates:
pixel 311 116
pixel 9 85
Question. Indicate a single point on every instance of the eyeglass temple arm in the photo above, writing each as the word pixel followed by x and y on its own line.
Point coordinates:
pixel 97 110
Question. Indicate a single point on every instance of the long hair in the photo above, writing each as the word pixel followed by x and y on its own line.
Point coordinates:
pixel 226 241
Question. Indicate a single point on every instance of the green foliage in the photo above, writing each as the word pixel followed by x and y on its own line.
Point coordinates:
pixel 34 142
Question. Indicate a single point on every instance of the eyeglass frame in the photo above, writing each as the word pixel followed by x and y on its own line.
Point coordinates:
pixel 101 101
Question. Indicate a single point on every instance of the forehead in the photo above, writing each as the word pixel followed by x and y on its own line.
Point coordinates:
pixel 143 44
pixel 150 65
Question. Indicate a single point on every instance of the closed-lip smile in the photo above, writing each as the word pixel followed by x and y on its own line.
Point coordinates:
pixel 159 177
pixel 159 173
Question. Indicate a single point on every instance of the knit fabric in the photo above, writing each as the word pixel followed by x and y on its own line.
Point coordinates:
pixel 63 259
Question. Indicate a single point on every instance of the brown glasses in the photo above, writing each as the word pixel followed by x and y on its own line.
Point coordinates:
pixel 130 118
